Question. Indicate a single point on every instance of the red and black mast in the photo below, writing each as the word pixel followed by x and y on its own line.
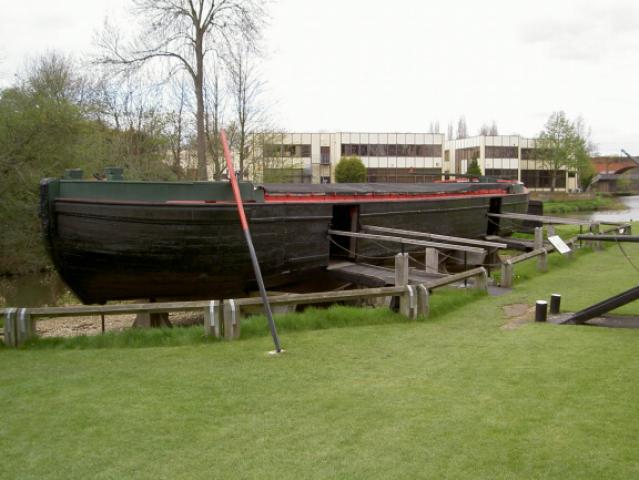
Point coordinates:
pixel 249 241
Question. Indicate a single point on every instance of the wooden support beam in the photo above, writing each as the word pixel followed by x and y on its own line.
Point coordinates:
pixel 542 261
pixel 481 281
pixel 596 245
pixel 547 220
pixel 10 327
pixel 507 273
pixel 232 319
pixel 539 238
pixel 412 301
pixel 609 238
pixel 423 301
pixel 431 260
pixel 401 280
pixel 447 280
pixel 433 236
pixel 19 326
pixel 407 241
pixel 25 326
pixel 212 319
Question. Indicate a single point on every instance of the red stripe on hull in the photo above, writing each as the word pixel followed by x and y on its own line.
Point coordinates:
pixel 375 197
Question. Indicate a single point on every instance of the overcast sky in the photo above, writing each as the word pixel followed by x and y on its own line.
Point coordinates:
pixel 368 65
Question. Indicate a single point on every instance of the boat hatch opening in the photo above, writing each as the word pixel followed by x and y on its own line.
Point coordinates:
pixel 345 217
pixel 493 223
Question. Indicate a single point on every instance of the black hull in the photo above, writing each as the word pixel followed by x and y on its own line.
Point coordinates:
pixel 125 250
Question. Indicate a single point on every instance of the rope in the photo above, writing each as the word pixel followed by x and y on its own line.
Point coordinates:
pixel 623 252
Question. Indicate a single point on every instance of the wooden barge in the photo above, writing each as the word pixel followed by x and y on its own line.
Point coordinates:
pixel 117 240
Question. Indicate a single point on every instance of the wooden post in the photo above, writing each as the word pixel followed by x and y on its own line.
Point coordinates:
pixel 539 238
pixel 542 262
pixel 432 260
pixel 212 319
pixel 423 304
pixel 541 310
pixel 481 281
pixel 152 320
pixel 231 320
pixel 411 300
pixel 594 229
pixel 401 279
pixel 507 274
pixel 25 327
pixel 555 303
pixel 550 230
pixel 10 327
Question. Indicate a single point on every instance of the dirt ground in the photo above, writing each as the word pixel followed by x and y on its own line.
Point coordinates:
pixel 517 315
pixel 74 326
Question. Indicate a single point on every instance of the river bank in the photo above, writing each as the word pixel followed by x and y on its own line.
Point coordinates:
pixel 562 203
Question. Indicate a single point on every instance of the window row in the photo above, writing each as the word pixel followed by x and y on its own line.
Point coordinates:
pixel 291 151
pixel 502 173
pixel 502 152
pixel 403 175
pixel 391 150
pixel 542 178
pixel 471 153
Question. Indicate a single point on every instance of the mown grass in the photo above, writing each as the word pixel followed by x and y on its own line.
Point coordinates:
pixel 455 396
pixel 583 205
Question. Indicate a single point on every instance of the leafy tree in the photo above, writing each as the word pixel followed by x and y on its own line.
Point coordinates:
pixel 350 170
pixel 561 147
pixel 47 126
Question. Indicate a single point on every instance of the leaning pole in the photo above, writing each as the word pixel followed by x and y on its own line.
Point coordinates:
pixel 249 241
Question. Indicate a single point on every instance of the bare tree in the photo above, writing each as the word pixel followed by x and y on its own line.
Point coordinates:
pixel 489 130
pixel 462 128
pixel 177 127
pixel 245 87
pixel 182 33
pixel 450 135
pixel 213 122
pixel 434 127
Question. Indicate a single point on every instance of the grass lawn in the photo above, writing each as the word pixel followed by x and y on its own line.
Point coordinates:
pixel 455 396
pixel 583 205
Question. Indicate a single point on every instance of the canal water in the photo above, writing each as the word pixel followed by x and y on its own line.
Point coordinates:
pixel 631 213
pixel 47 289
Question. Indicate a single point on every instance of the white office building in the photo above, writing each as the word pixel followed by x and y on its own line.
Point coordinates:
pixel 396 158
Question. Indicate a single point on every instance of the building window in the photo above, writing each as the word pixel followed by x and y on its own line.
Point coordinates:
pixel 467 154
pixel 542 178
pixel 501 152
pixel 289 151
pixel 502 173
pixel 403 175
pixel 391 150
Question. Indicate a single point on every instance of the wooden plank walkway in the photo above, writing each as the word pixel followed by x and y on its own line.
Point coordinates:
pixel 408 241
pixel 377 276
pixel 433 236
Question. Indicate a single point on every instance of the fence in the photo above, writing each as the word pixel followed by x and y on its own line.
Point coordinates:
pixel 222 318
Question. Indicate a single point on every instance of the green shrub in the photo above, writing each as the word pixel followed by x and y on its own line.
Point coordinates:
pixel 473 168
pixel 350 170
